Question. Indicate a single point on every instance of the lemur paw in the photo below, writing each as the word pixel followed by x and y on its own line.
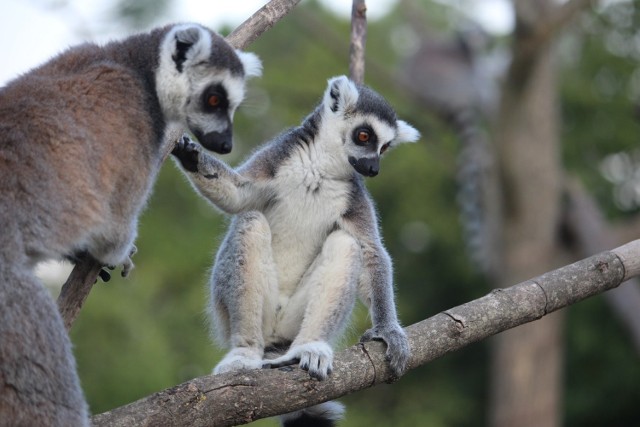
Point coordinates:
pixel 397 345
pixel 316 357
pixel 188 153
pixel 128 264
pixel 238 359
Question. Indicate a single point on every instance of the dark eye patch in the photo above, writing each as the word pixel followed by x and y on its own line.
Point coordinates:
pixel 364 135
pixel 214 98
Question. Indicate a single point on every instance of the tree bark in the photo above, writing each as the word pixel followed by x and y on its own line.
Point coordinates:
pixel 242 397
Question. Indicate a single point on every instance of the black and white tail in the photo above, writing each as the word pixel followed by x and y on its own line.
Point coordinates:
pixel 323 415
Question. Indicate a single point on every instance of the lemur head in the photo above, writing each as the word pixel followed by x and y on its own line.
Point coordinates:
pixel 367 124
pixel 201 81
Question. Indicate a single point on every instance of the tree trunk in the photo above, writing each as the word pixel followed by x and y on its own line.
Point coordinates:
pixel 527 361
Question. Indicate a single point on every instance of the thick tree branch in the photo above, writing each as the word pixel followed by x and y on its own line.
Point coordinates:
pixel 239 398
pixel 358 41
pixel 85 273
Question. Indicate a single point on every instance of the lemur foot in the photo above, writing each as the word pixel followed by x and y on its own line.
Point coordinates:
pixel 239 359
pixel 397 346
pixel 187 152
pixel 316 357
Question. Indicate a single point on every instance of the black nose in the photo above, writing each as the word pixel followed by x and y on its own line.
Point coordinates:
pixel 367 166
pixel 219 142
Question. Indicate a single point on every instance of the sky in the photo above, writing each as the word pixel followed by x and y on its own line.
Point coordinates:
pixel 35 30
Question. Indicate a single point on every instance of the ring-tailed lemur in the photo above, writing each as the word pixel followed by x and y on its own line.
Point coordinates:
pixel 304 240
pixel 82 138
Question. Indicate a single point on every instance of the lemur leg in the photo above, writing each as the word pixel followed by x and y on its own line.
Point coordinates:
pixel 39 385
pixel 327 294
pixel 244 291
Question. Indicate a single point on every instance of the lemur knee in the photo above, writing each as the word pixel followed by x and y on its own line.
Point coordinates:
pixel 340 244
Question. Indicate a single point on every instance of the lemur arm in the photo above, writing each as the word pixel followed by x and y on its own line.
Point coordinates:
pixel 375 285
pixel 226 189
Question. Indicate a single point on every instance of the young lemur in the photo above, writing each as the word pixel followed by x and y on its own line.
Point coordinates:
pixel 82 138
pixel 304 239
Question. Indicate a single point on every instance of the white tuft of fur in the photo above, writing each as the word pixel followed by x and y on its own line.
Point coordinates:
pixel 251 63
pixel 406 132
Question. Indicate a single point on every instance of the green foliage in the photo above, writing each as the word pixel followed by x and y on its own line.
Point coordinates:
pixel 149 332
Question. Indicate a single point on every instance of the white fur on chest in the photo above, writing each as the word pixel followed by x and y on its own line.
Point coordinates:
pixel 309 201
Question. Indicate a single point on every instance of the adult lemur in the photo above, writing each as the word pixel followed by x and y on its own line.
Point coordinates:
pixel 81 142
pixel 304 239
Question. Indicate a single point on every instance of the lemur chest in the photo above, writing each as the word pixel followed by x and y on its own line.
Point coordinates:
pixel 304 212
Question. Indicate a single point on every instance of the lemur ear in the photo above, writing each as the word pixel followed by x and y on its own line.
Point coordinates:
pixel 406 132
pixel 251 64
pixel 341 95
pixel 189 43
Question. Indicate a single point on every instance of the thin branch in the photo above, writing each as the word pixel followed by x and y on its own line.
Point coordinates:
pixel 78 286
pixel 358 41
pixel 76 289
pixel 242 397
pixel 265 18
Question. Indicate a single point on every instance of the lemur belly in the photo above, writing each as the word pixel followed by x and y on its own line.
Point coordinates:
pixel 300 222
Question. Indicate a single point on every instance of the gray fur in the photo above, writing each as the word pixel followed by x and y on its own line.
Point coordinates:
pixel 82 139
pixel 305 240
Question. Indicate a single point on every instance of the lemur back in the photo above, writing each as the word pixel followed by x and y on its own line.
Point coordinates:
pixel 304 240
pixel 82 139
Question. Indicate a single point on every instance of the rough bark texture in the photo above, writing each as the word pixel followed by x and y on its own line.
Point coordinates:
pixel 239 398
pixel 76 289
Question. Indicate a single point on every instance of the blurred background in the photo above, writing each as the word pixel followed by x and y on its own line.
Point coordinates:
pixel 529 160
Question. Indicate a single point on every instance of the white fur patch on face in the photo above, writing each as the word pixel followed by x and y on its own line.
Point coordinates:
pixel 251 63
pixel 235 87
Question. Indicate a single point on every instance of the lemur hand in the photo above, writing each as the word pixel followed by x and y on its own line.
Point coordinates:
pixel 188 153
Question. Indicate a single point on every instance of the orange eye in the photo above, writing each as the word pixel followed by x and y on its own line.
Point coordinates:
pixel 363 136
pixel 213 100
pixel 384 147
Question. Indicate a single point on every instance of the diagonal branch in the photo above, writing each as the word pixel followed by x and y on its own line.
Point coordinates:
pixel 239 398
pixel 265 18
pixel 76 289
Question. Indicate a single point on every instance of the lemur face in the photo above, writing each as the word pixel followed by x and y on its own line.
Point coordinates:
pixel 211 106
pixel 201 82
pixel 369 124
pixel 368 139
